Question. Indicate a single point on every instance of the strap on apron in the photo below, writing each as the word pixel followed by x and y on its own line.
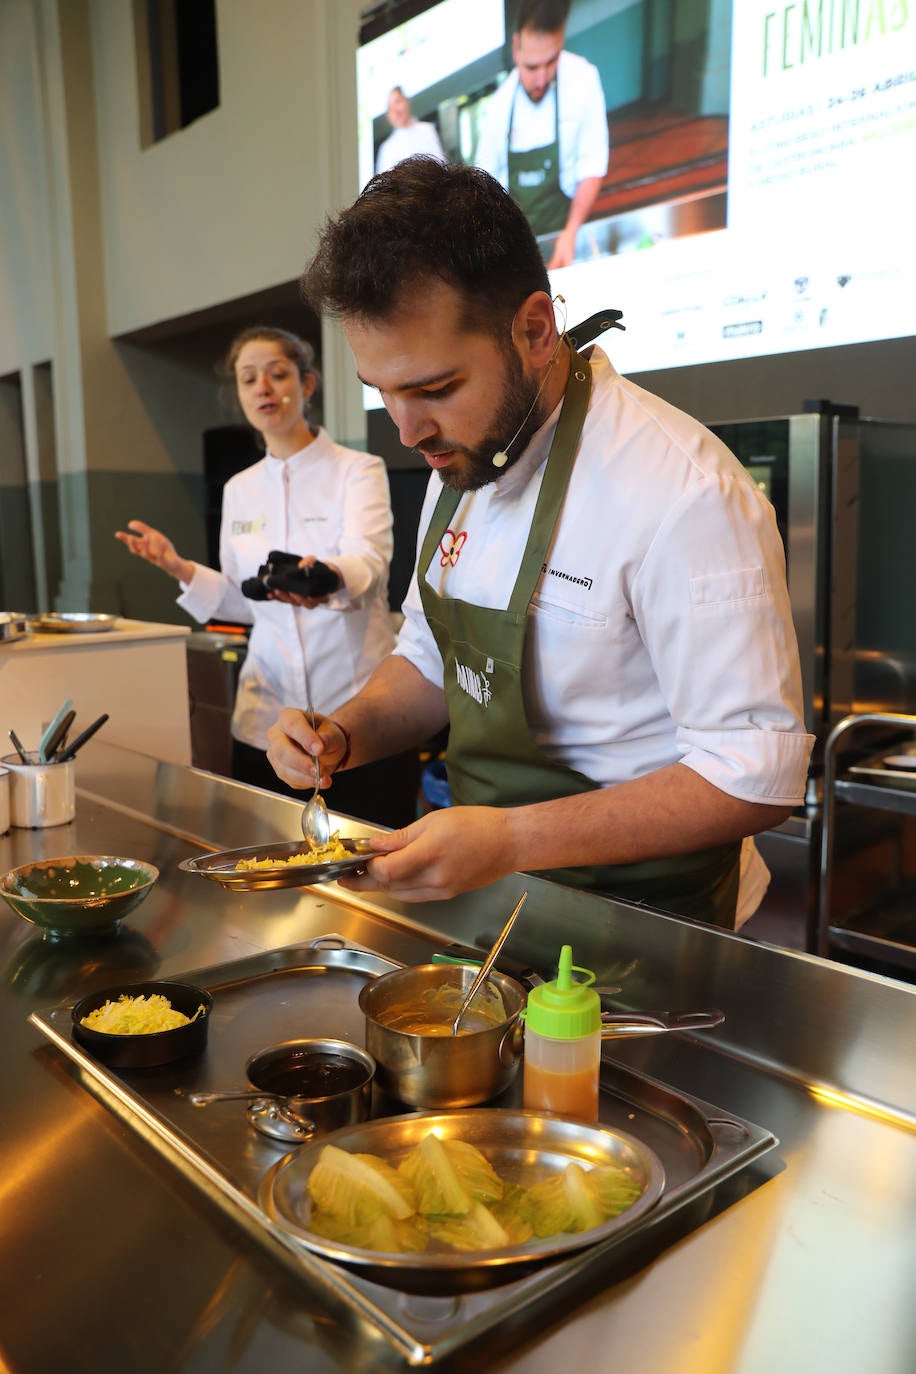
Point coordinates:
pixel 492 757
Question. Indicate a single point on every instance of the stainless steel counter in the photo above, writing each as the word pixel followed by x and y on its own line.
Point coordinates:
pixel 804 1261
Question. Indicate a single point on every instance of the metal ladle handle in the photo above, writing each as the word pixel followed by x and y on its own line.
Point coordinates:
pixel 487 964
pixel 235 1095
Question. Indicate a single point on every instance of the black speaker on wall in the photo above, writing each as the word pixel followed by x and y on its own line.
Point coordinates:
pixel 227 450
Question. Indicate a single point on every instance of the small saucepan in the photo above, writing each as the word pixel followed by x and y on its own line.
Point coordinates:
pixel 302 1087
pixel 409 1015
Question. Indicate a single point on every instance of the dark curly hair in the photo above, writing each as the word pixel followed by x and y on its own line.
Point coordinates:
pixel 424 219
pixel 543 16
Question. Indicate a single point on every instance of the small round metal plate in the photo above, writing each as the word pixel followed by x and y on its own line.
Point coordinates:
pixel 223 868
pixel 71 622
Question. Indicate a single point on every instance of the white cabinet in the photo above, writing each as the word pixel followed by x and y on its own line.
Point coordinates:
pixel 136 671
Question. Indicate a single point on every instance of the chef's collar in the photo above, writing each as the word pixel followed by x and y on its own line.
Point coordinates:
pixel 318 448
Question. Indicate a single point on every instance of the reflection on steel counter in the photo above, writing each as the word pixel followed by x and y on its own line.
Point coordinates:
pixel 215 660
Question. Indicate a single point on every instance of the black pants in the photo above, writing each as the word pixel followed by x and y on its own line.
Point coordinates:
pixel 385 792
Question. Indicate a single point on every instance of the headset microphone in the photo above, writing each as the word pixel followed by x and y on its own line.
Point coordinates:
pixel 500 459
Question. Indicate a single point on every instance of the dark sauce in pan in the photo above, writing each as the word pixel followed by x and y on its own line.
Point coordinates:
pixel 310 1075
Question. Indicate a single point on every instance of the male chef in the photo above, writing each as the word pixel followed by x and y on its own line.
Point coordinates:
pixel 599 608
pixel 545 132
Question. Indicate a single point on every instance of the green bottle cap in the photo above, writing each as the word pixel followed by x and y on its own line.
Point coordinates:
pixel 564 1009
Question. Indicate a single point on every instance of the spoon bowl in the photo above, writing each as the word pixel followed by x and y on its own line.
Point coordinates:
pixel 316 823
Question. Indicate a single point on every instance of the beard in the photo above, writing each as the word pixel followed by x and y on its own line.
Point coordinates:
pixel 514 423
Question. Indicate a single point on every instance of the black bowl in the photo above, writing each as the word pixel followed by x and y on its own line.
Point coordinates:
pixel 157 1048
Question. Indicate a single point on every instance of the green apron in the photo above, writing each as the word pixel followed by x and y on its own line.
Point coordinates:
pixel 492 757
pixel 534 178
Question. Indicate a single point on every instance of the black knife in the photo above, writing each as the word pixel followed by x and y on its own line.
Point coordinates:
pixel 80 740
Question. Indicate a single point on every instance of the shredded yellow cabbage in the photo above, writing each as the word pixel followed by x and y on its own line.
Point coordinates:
pixel 137 1016
pixel 323 854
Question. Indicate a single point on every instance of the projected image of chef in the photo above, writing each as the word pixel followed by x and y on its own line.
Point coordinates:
pixel 408 134
pixel 545 132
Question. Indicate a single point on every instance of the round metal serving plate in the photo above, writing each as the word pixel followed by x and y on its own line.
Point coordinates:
pixel 523 1147
pixel 223 867
pixel 71 622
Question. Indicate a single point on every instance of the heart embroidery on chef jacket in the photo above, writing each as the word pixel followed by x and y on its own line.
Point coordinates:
pixel 450 547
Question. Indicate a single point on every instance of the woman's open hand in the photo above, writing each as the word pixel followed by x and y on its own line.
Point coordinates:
pixel 156 548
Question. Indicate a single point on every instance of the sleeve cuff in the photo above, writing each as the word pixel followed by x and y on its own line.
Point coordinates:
pixel 769 766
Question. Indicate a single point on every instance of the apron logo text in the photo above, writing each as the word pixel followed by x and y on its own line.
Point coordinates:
pixel 249 526
pixel 475 684
pixel 567 577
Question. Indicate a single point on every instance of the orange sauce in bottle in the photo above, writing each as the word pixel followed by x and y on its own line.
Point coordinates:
pixel 572 1094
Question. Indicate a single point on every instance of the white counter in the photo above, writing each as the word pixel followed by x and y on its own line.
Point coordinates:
pixel 136 671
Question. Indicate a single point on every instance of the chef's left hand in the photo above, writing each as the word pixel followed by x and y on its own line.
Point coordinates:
pixel 445 852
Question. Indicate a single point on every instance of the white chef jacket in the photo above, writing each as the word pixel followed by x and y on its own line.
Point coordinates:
pixel 325 500
pixel 661 629
pixel 583 130
pixel 417 137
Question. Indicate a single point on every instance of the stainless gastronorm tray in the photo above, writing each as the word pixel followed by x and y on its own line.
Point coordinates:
pixel 312 990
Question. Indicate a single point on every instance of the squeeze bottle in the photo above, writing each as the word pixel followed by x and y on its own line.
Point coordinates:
pixel 563 1044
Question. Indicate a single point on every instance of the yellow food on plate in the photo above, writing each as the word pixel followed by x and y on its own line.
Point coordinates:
pixel 137 1016
pixel 321 854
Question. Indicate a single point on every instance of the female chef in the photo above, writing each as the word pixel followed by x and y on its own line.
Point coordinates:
pixel 329 505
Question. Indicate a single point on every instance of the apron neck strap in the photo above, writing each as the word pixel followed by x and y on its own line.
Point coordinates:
pixel 563 450
pixel 559 464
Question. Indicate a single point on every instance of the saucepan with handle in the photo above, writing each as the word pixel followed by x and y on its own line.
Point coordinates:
pixel 409 1016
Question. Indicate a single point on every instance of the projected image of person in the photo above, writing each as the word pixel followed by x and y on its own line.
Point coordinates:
pixel 545 131
pixel 408 135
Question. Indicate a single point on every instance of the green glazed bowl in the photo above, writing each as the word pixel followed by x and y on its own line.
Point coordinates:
pixel 86 894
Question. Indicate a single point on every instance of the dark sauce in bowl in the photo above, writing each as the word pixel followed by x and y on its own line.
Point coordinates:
pixel 310 1075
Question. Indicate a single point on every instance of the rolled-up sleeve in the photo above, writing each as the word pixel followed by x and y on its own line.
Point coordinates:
pixel 584 138
pixel 723 643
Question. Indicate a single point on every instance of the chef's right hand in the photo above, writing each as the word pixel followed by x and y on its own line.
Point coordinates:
pixel 156 548
pixel 292 743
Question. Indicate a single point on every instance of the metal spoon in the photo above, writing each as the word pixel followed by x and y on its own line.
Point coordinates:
pixel 487 964
pixel 316 824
